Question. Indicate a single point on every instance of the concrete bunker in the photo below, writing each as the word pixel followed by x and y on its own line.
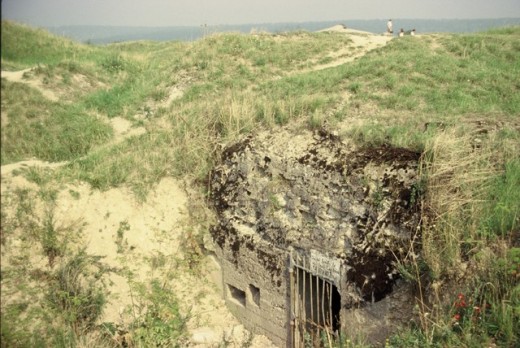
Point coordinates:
pixel 310 232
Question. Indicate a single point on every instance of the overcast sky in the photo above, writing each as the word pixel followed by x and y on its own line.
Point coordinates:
pixel 215 12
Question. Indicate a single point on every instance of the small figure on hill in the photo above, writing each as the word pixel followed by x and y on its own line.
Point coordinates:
pixel 401 32
pixel 413 32
pixel 389 27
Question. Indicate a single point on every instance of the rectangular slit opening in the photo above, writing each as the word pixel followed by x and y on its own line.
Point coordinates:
pixel 237 295
pixel 255 294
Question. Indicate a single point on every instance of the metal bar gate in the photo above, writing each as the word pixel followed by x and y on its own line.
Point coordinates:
pixel 313 321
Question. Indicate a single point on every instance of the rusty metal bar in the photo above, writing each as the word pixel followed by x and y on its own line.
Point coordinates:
pixel 298 303
pixel 323 304
pixel 311 298
pixel 304 298
pixel 329 290
pixel 318 305
pixel 292 309
pixel 312 312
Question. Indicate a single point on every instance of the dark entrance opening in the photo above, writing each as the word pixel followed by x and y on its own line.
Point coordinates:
pixel 317 306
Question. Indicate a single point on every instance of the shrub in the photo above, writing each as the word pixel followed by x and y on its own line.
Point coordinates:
pixel 77 290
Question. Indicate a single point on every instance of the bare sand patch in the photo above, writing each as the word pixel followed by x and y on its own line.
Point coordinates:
pixel 123 129
pixel 21 76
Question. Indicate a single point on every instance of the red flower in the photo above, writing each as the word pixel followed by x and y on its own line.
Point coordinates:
pixel 456 317
pixel 460 304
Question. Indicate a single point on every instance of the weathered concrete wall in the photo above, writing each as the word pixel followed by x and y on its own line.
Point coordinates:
pixel 279 190
pixel 257 271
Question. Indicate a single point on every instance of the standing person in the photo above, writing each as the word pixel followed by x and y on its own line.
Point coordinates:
pixel 389 27
pixel 401 33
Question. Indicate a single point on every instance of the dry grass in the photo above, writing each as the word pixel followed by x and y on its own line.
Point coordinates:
pixel 458 176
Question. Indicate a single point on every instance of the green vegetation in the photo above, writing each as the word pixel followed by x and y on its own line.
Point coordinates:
pixel 46 130
pixel 162 325
pixel 19 44
pixel 455 98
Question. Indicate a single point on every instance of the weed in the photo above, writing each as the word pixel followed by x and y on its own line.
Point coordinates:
pixel 161 324
pixel 24 219
pixel 52 246
pixel 74 194
pixel 121 243
pixel 111 101
pixel 159 94
pixel 316 120
pixel 339 341
pixel 48 195
pixel 418 191
pixel 192 243
pixel 503 208
pixel 13 335
pixel 77 290
pixel 377 196
pixel 275 202
pixel 38 175
pixel 114 64
pixel 157 260
pixel 355 87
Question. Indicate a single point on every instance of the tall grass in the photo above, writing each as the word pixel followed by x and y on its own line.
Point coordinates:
pixel 458 180
pixel 502 208
pixel 469 244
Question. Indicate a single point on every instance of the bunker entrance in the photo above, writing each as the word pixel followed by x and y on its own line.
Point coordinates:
pixel 316 305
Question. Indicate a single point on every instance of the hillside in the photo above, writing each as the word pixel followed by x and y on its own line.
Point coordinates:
pixel 107 153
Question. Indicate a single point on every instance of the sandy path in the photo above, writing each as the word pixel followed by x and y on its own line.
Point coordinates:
pixel 362 42
pixel 18 76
